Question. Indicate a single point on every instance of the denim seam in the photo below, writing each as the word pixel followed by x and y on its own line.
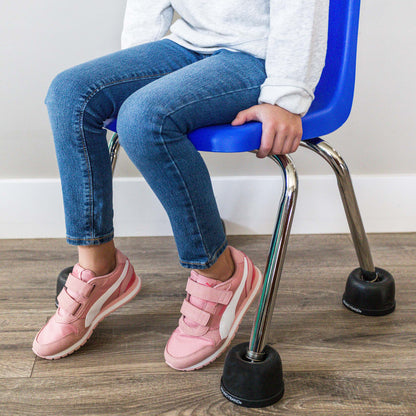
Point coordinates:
pixel 84 145
pixel 210 261
pixel 105 236
pixel 208 98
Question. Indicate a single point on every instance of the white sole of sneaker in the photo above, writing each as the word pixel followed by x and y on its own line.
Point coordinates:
pixel 134 290
pixel 233 330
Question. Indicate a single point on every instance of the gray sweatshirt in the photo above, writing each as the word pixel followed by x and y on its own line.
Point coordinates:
pixel 290 35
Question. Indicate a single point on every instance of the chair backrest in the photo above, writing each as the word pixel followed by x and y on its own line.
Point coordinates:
pixel 335 90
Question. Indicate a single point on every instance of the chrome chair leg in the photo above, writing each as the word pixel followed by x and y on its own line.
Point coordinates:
pixel 369 290
pixel 114 147
pixel 253 375
pixel 349 201
pixel 275 258
pixel 277 250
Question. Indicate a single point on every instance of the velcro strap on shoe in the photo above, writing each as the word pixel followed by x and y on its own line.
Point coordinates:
pixel 79 286
pixel 67 303
pixel 195 314
pixel 195 331
pixel 209 293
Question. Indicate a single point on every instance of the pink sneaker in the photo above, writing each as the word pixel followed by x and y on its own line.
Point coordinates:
pixel 85 301
pixel 211 314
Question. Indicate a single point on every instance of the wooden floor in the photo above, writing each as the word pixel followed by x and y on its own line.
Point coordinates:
pixel 335 362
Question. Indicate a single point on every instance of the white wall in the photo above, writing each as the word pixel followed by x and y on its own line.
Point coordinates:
pixel 39 39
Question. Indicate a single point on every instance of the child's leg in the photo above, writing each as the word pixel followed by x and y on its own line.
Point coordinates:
pixel 153 124
pixel 100 258
pixel 78 101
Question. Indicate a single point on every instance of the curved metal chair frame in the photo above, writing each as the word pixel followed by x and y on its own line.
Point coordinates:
pixel 280 236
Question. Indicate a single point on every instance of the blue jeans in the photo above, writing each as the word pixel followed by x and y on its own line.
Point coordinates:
pixel 159 92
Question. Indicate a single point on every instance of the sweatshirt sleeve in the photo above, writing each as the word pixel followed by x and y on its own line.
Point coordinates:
pixel 295 54
pixel 145 21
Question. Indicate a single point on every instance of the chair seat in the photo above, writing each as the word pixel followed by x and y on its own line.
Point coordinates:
pixel 231 139
pixel 324 116
pixel 227 138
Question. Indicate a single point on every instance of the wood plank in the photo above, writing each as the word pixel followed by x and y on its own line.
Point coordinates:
pixel 16 356
pixel 327 393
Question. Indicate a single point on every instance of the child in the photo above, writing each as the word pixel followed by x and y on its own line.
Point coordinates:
pixel 224 62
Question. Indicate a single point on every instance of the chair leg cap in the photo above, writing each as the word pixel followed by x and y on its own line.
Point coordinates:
pixel 252 384
pixel 372 298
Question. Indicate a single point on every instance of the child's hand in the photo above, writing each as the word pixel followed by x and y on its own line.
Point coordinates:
pixel 282 130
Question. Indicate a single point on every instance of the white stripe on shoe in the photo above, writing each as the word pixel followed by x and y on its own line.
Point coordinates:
pixel 233 330
pixel 134 290
pixel 228 316
pixel 96 307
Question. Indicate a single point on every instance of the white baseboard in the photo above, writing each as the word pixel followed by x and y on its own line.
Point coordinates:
pixel 32 208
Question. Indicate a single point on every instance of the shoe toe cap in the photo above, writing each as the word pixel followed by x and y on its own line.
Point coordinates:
pixel 183 351
pixel 53 338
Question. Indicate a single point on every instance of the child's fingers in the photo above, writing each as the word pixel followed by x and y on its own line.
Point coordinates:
pixel 239 119
pixel 281 130
pixel 268 138
pixel 243 116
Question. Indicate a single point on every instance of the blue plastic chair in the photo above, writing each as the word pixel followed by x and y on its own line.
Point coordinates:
pixel 369 290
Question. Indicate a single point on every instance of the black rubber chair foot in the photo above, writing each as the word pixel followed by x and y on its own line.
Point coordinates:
pixel 370 297
pixel 60 283
pixel 252 384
